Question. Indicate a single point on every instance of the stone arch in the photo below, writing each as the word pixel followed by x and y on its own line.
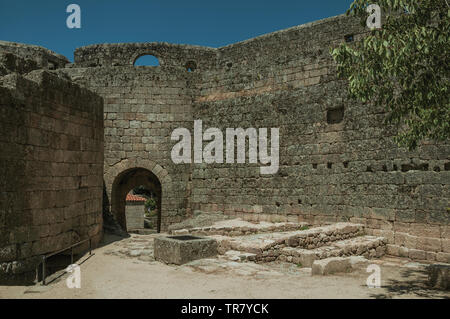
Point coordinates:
pixel 127 174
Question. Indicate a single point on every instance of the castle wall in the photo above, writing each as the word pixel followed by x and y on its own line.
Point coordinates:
pixel 338 161
pixel 67 152
pixel 41 57
pixel 51 169
pixel 338 171
pixel 125 54
pixel 142 106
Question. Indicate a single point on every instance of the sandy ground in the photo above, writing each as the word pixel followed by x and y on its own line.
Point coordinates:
pixel 126 269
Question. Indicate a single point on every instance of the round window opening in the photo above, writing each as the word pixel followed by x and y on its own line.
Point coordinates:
pixel 191 66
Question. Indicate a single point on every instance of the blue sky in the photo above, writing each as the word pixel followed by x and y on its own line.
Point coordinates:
pixel 201 22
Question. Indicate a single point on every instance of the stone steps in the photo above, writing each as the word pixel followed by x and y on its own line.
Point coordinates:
pixel 366 246
pixel 239 227
pixel 306 239
pixel 303 246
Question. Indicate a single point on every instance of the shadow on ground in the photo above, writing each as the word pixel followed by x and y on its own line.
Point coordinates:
pixel 109 238
pixel 414 281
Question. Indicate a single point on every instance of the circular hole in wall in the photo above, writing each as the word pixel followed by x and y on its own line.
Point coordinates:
pixel 146 60
pixel 191 66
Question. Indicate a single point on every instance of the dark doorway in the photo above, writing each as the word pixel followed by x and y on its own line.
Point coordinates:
pixel 135 179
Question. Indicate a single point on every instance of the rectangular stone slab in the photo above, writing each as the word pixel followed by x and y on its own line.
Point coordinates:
pixel 182 249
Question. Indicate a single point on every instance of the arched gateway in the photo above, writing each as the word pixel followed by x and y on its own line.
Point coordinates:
pixel 128 174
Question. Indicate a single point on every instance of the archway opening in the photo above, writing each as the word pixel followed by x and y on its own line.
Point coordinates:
pixel 136 196
pixel 146 60
pixel 141 210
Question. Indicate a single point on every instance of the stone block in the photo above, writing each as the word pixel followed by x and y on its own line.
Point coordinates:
pixel 7 253
pixel 184 248
pixel 429 244
pixel 443 257
pixel 417 254
pixel 307 258
pixel 392 250
pixel 358 262
pixel 331 265
pixel 446 245
pixel 403 251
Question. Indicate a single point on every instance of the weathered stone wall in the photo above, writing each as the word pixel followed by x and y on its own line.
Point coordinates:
pixel 134 212
pixel 338 171
pixel 338 161
pixel 142 106
pixel 51 169
pixel 43 58
pixel 125 54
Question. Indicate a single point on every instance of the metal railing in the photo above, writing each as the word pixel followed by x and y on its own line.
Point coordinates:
pixel 45 257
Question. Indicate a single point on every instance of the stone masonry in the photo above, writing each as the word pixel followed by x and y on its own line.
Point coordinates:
pixel 134 212
pixel 338 162
pixel 51 163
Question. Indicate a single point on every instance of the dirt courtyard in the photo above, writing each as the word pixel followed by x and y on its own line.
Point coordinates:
pixel 125 268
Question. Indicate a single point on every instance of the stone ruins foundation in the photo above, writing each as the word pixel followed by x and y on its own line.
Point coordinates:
pixel 77 137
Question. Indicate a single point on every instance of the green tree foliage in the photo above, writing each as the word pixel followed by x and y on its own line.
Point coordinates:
pixel 403 66
pixel 141 190
pixel 150 204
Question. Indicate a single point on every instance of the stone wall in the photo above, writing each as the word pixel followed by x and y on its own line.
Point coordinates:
pixel 43 58
pixel 142 106
pixel 134 212
pixel 338 161
pixel 51 168
pixel 125 54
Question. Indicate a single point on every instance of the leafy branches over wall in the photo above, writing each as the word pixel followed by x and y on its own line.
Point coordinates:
pixel 404 66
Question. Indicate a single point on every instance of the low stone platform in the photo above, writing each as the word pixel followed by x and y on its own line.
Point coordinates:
pixel 183 248
pixel 239 227
pixel 367 246
pixel 303 247
pixel 308 238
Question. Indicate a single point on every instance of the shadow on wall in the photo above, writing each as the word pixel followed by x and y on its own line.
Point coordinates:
pixel 110 224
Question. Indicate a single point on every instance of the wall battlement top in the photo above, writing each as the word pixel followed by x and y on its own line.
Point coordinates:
pixel 260 50
pixel 44 58
pixel 281 33
pixel 125 54
pixel 311 34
